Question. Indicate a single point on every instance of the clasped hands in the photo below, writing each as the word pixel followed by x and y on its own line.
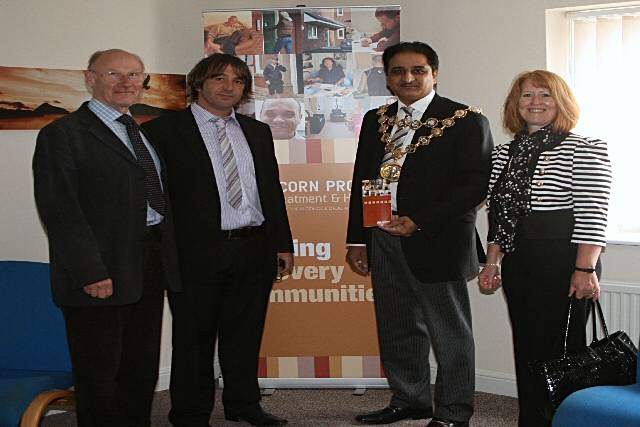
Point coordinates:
pixel 102 289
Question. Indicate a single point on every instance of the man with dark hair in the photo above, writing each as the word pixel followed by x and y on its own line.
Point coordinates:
pixel 434 154
pixel 273 76
pixel 233 239
pixel 100 191
pixel 389 34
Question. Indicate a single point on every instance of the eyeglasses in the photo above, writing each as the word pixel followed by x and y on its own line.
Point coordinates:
pixel 115 77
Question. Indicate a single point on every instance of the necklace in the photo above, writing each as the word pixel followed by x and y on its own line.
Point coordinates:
pixel 390 170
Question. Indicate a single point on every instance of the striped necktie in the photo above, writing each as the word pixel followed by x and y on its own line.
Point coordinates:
pixel 234 187
pixel 153 190
pixel 398 138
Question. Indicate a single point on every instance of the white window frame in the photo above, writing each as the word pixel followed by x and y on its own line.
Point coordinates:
pixel 312 32
pixel 340 32
pixel 339 11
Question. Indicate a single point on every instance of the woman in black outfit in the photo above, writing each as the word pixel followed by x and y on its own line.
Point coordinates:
pixel 547 201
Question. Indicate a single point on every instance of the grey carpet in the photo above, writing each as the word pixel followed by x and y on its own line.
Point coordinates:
pixel 326 407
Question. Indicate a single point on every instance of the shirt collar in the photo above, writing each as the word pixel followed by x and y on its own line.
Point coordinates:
pixel 420 105
pixel 106 111
pixel 207 115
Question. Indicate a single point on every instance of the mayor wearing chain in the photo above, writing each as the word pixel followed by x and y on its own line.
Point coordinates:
pixel 436 155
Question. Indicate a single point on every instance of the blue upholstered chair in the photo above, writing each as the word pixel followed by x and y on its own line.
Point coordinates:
pixel 602 406
pixel 35 368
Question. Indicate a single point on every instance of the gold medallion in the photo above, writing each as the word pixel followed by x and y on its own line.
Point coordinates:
pixel 431 122
pixel 423 140
pixel 391 171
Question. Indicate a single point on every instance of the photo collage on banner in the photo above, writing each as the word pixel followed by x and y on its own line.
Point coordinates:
pixel 316 72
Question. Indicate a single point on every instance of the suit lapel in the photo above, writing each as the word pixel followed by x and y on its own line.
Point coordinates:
pixel 103 134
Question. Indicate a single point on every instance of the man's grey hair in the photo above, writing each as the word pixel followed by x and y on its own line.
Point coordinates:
pixel 96 55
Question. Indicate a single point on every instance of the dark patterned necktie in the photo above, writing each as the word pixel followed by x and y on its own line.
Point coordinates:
pixel 398 138
pixel 153 190
pixel 234 187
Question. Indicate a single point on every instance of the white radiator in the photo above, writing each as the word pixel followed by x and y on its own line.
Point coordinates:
pixel 621 307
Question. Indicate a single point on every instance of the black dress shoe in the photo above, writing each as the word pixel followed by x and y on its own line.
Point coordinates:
pixel 391 414
pixel 441 422
pixel 256 417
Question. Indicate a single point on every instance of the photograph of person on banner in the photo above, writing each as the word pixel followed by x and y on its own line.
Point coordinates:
pixel 282 31
pixel 330 75
pixel 284 116
pixel 390 32
pixel 230 34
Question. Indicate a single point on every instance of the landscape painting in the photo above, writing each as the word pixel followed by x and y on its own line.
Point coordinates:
pixel 30 98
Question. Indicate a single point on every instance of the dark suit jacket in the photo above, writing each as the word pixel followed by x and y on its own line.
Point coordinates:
pixel 439 189
pixel 195 198
pixel 90 195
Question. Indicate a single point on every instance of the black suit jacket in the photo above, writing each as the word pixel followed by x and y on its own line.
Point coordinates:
pixel 195 198
pixel 440 187
pixel 90 194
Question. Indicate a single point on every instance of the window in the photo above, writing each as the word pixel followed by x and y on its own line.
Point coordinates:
pixel 340 33
pixel 339 11
pixel 313 32
pixel 604 59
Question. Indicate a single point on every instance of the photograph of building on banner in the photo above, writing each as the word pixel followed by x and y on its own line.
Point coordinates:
pixel 316 73
pixel 31 98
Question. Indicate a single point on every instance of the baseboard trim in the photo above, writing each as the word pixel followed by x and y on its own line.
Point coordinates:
pixel 486 381
pixel 494 383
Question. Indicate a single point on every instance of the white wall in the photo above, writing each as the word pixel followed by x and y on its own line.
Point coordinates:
pixel 482 45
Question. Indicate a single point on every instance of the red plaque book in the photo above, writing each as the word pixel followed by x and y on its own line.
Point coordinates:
pixel 376 208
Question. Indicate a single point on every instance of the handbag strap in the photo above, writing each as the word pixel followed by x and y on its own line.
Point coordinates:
pixel 566 328
pixel 603 324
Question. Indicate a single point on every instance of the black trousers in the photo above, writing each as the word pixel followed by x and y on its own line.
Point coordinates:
pixel 115 352
pixel 231 308
pixel 536 281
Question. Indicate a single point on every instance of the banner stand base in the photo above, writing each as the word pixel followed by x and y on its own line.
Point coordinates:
pixel 271 384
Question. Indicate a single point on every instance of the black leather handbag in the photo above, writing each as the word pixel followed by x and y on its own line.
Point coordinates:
pixel 607 361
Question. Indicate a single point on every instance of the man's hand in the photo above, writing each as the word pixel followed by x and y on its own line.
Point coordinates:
pixel 102 289
pixel 285 263
pixel 401 226
pixel 357 259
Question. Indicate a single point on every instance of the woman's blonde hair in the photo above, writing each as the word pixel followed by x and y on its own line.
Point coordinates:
pixel 568 110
